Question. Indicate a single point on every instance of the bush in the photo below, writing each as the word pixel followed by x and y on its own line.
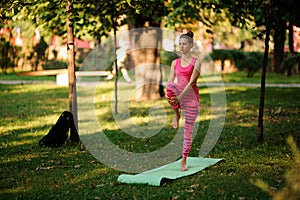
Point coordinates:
pixel 9 55
pixel 251 61
pixel 289 63
pixel 54 64
pixel 166 57
pixel 222 55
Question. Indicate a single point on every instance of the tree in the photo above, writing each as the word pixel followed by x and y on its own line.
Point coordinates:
pixel 59 17
pixel 8 53
pixel 8 9
pixel 145 41
pixel 293 20
pixel 40 50
pixel 146 15
pixel 271 15
pixel 260 135
pixel 50 15
pixel 71 61
pixel 240 13
pixel 93 17
pixel 289 16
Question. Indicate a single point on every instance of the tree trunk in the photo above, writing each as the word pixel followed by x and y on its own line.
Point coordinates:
pixel 113 19
pixel 71 63
pixel 116 68
pixel 291 38
pixel 279 39
pixel 262 88
pixel 291 46
pixel 145 51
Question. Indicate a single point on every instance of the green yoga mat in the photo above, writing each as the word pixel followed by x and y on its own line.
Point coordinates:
pixel 169 171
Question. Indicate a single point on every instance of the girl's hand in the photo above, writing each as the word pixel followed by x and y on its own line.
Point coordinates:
pixel 172 101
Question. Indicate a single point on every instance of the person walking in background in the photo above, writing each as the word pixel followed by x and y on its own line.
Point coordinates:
pixel 182 91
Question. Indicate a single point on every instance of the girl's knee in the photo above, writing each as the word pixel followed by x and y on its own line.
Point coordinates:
pixel 171 89
pixel 171 86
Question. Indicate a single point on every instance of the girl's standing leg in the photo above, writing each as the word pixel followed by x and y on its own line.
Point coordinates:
pixel 191 113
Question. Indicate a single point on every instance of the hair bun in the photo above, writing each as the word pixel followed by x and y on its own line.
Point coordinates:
pixel 190 34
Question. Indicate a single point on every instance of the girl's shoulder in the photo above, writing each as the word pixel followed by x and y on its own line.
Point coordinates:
pixel 197 63
pixel 173 64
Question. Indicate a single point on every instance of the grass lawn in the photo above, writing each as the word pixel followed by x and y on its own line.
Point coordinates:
pixel 14 76
pixel 241 77
pixel 71 172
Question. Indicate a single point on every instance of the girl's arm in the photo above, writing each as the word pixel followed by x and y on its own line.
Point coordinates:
pixel 171 79
pixel 172 72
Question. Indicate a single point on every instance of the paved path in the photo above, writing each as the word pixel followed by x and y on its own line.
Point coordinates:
pixel 252 84
pixel 297 85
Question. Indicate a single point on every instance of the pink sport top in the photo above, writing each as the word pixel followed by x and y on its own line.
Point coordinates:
pixel 184 74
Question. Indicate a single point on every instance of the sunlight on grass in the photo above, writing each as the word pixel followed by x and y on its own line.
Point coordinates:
pixel 16 191
pixel 93 174
pixel 71 172
pixel 217 78
pixel 26 156
pixel 19 124
pixel 244 124
pixel 237 89
pixel 18 143
pixel 135 113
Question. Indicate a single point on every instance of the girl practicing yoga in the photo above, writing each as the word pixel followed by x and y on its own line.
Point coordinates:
pixel 182 91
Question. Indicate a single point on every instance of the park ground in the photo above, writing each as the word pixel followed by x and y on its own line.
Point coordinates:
pixel 28 171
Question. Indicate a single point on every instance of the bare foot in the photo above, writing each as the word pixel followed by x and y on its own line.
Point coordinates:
pixel 183 165
pixel 175 122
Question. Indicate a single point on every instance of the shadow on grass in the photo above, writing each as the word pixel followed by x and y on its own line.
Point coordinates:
pixel 71 172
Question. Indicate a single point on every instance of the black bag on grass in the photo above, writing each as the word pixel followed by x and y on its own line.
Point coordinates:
pixel 58 134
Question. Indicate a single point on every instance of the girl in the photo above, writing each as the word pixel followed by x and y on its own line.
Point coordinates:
pixel 184 93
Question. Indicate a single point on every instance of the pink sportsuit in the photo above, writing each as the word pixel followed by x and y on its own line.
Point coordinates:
pixel 189 102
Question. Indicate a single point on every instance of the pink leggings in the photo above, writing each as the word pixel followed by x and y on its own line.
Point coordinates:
pixel 190 104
